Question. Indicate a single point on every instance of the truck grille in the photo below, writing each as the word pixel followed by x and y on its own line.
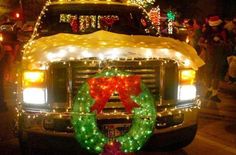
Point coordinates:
pixel 150 71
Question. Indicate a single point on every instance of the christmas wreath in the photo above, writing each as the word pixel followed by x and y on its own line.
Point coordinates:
pixel 93 96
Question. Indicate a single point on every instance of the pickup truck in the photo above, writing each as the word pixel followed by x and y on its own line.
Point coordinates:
pixel 72 42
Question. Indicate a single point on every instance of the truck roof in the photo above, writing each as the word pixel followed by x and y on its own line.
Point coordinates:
pixel 108 2
pixel 110 46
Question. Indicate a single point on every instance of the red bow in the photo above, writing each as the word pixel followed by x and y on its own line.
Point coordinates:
pixel 101 90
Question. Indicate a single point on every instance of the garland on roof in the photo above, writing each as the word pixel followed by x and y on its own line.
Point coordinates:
pixel 143 2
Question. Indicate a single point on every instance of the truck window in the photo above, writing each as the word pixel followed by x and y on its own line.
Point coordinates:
pixel 85 20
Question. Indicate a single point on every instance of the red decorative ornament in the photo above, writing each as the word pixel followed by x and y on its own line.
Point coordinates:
pixel 74 25
pixel 113 148
pixel 154 16
pixel 101 90
pixel 108 21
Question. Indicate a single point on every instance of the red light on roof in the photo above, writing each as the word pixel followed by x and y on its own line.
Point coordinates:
pixel 17 15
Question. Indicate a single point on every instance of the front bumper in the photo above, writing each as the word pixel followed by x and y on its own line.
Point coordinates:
pixel 161 141
pixel 172 140
pixel 33 130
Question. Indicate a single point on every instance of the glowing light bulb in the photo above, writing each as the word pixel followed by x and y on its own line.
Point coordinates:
pixel 148 53
pixel 86 54
pixel 187 62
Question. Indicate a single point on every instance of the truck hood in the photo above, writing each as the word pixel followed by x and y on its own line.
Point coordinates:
pixel 106 45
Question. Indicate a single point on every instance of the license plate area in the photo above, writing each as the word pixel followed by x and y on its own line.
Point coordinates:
pixel 114 127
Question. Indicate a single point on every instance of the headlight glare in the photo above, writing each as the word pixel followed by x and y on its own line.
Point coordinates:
pixel 186 92
pixel 36 96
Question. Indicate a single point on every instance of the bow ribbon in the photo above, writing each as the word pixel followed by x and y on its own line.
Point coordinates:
pixel 101 90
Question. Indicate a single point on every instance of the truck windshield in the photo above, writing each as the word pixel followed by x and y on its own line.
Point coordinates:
pixel 89 18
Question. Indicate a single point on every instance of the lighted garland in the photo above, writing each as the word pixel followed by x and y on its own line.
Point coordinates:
pixel 155 16
pixel 84 121
pixel 143 3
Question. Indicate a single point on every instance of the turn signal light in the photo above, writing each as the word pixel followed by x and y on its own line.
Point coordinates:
pixel 187 77
pixel 33 78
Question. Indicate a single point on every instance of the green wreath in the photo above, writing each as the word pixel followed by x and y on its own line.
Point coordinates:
pixel 141 105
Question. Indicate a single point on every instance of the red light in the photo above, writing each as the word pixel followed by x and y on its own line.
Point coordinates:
pixel 17 15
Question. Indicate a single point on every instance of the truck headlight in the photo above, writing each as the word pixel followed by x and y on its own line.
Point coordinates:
pixel 187 89
pixel 186 92
pixel 37 96
pixel 34 88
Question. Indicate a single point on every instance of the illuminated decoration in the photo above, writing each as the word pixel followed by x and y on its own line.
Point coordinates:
pixel 96 92
pixel 112 148
pixel 101 89
pixel 170 27
pixel 45 9
pixel 17 15
pixel 187 40
pixel 158 19
pixel 74 24
pixel 87 22
pixel 106 22
pixel 155 16
pixel 143 3
pixel 112 46
pixel 65 18
pixel 42 114
pixel 170 17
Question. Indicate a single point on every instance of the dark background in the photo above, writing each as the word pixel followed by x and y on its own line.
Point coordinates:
pixel 200 8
